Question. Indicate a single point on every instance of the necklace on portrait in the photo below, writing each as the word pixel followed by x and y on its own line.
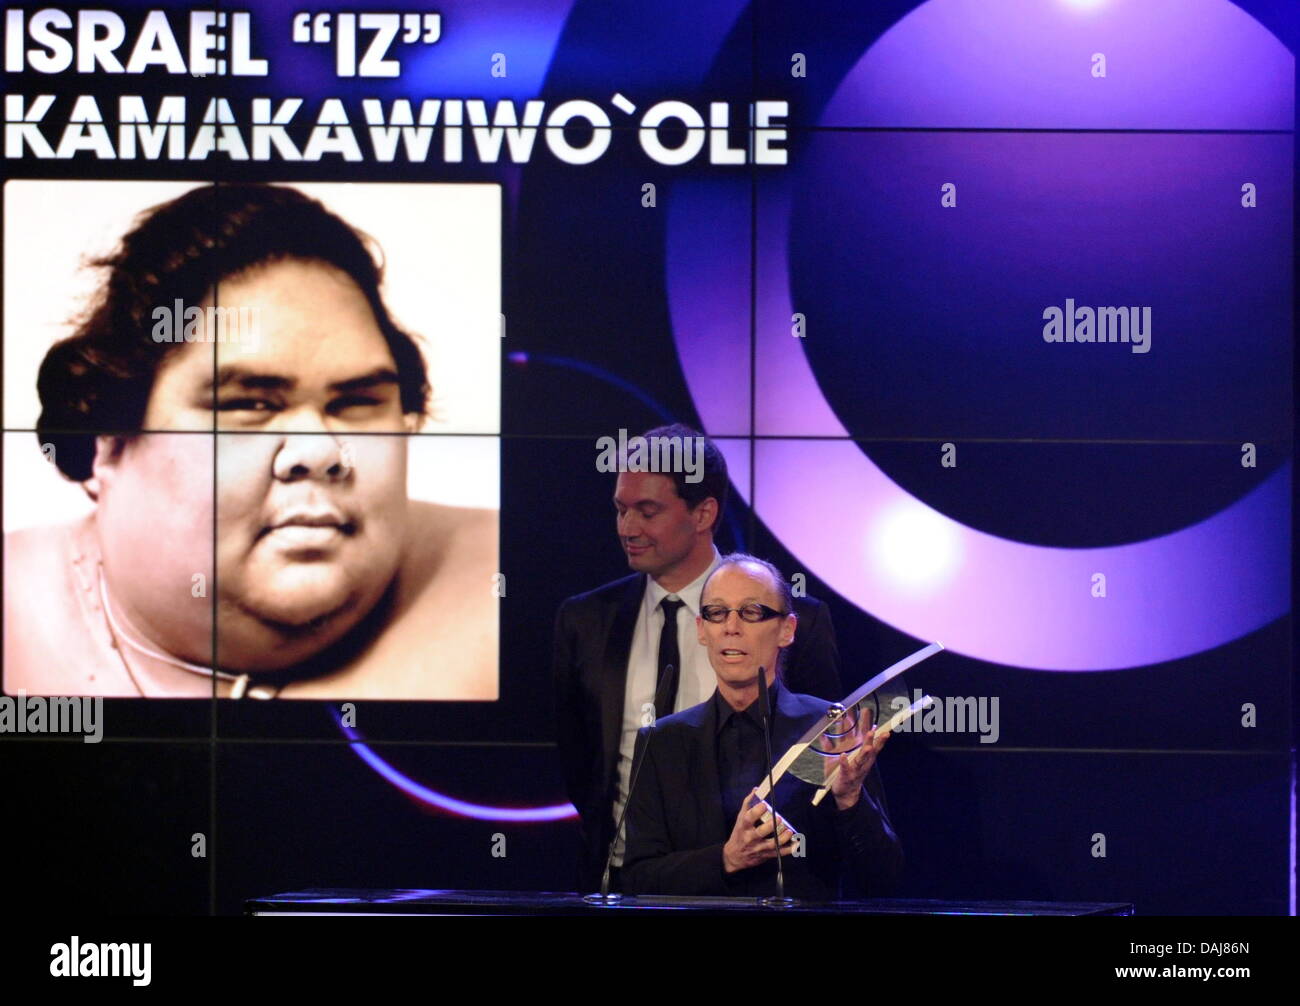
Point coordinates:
pixel 241 686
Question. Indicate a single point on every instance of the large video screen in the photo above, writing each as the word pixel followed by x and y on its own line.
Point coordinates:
pixel 316 323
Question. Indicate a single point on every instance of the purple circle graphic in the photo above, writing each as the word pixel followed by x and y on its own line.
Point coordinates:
pixel 443 802
pixel 962 63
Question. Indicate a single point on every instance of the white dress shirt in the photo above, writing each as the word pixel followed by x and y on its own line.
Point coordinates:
pixel 696 680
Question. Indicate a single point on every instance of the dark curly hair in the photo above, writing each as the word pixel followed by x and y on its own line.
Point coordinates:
pixel 98 380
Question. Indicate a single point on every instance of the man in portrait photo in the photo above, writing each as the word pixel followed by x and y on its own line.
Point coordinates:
pixel 239 406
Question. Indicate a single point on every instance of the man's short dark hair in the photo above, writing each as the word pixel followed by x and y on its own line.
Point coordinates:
pixel 714 481
pixel 99 379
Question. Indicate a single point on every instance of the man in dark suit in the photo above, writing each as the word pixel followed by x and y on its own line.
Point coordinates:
pixel 695 826
pixel 615 649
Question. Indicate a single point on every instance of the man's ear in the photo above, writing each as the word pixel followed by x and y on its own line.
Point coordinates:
pixel 706 514
pixel 699 631
pixel 103 469
pixel 787 629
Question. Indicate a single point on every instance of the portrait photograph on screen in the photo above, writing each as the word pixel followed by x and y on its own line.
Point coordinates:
pixel 261 456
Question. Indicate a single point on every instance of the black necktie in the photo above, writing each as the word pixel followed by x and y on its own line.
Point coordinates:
pixel 669 658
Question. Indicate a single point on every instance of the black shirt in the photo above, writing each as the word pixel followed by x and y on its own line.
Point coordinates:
pixel 742 752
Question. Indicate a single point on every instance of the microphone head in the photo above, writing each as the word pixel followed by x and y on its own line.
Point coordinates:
pixel 660 697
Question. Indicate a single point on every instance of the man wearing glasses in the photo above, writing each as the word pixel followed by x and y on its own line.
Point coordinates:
pixel 627 652
pixel 695 825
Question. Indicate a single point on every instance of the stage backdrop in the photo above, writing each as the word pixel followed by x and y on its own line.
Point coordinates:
pixel 988 303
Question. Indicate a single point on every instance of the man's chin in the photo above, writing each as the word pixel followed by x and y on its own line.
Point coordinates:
pixel 274 615
pixel 299 599
pixel 738 675
pixel 641 563
pixel 302 614
pixel 260 634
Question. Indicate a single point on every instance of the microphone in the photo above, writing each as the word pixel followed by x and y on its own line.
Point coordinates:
pixel 604 897
pixel 764 709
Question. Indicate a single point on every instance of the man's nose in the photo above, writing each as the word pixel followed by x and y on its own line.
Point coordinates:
pixel 629 524
pixel 733 622
pixel 311 456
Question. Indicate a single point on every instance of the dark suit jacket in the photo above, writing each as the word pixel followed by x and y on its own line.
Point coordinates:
pixel 677 826
pixel 593 640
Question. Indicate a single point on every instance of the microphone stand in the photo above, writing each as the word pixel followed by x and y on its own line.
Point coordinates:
pixel 780 900
pixel 605 896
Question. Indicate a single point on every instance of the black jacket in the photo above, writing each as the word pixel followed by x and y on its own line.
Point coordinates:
pixel 677 825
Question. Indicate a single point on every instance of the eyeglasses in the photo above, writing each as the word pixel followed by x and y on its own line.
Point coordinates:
pixel 748 613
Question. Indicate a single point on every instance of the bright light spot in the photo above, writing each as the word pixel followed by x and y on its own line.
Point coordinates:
pixel 913 547
pixel 1084 4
